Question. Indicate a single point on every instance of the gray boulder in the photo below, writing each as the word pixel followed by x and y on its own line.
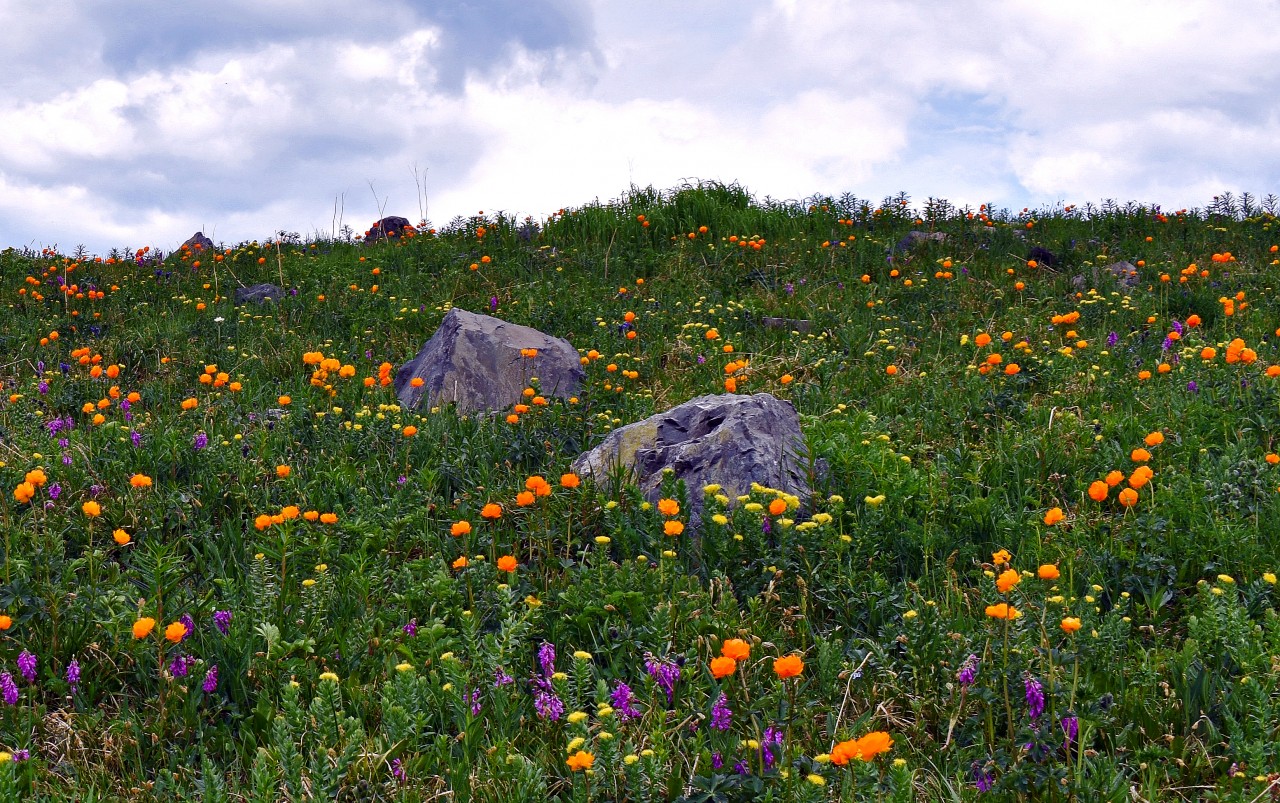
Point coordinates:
pixel 914 238
pixel 389 228
pixel 476 362
pixel 729 440
pixel 257 293
pixel 198 243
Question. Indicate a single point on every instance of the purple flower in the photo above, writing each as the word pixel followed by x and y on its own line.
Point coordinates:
pixel 397 770
pixel 125 405
pixel 201 441
pixel 1166 344
pixel 1177 326
pixel 73 675
pixel 475 703
pixel 27 666
pixel 968 670
pixel 1070 729
pixel 721 716
pixel 1035 697
pixel 982 779
pixel 55 490
pixel 493 303
pixel 547 659
pixel 180 665
pixel 135 438
pixel 411 629
pixel 222 621
pixel 189 624
pixel 664 673
pixel 210 684
pixel 717 761
pixel 21 754
pixel 8 689
pixel 772 738
pixel 548 705
pixel 43 387
pixel 701 359
pixel 501 678
pixel 1193 387
pixel 623 702
pixel 741 767
pixel 1112 339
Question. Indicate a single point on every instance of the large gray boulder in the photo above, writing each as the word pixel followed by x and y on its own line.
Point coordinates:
pixel 198 243
pixel 388 228
pixel 729 440
pixel 478 362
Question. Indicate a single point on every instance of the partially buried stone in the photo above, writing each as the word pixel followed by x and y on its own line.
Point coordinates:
pixel 257 293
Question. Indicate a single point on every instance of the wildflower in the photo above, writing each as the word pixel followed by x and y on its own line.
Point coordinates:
pixel 73 674
pixel 548 705
pixel 1035 697
pixel 140 481
pixel 1007 580
pixel 722 667
pixel 222 621
pixel 1048 572
pixel 1003 611
pixel 771 738
pixel 27 666
pixel 1070 729
pixel 580 760
pixel 1098 490
pixel 8 689
pixel 968 672
pixel 6 622
pixel 1140 455
pixel 491 511
pixel 24 492
pixel 180 665
pixel 1269 578
pixel 664 673
pixel 507 563
pixel 460 528
pixel 175 632
pixel 143 627
pixel 623 702
pixel 547 658
pixel 576 717
pixel 721 715
pixel 1070 624
pixel 1154 439
pixel 332 677
pixel 328 518
pixel 91 509
pixel 1053 516
pixel 1000 557
pixel 283 472
pixel 1128 497
pixel 569 481
pixel 788 666
pixel 668 507
pixel 673 527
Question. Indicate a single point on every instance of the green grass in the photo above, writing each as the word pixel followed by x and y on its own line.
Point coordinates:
pixel 935 459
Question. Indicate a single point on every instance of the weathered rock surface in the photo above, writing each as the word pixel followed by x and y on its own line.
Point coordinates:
pixel 915 238
pixel 1043 257
pixel 388 228
pixel 198 243
pixel 257 293
pixel 727 439
pixel 476 362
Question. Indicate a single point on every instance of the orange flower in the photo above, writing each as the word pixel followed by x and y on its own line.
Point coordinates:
pixel 1070 624
pixel 262 522
pixel 1098 490
pixel 1140 477
pixel 538 485
pixel 175 632
pixel 91 509
pixel 410 431
pixel 891 370
pixel 140 481
pixel 1048 572
pixel 777 507
pixel 190 404
pixel 491 511
pixel 1003 610
pixel 735 648
pixel 24 492
pixel 668 507
pixel 1128 497
pixel 121 537
pixel 788 666
pixel 461 562
pixel 524 498
pixel 673 527
pixel 1000 557
pixel 1154 439
pixel 722 666
pixel 36 477
pixel 569 480
pixel 311 515
pixel 1140 455
pixel 460 528
pixel 1114 478
pixel 983 339
pixel 283 471
pixel 581 760
pixel 143 627
pixel 6 622
pixel 1007 580
pixel 1053 516
pixel 507 563
pixel 328 518
pixel 872 745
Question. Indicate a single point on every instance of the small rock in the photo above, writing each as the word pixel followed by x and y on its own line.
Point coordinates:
pixel 1043 257
pixel 198 243
pixel 914 238
pixel 257 293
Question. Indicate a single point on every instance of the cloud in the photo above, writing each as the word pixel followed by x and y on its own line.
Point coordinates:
pixel 148 119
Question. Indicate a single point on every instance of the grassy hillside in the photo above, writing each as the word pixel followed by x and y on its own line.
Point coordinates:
pixel 1037 563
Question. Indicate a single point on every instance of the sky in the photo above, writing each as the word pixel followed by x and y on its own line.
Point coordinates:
pixel 139 122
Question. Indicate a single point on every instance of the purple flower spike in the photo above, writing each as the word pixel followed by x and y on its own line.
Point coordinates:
pixel 27 666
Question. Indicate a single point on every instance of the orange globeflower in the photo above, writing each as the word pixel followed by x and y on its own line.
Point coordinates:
pixel 36 477
pixel 569 480
pixel 777 507
pixel 1114 478
pixel 491 511
pixel 175 632
pixel 1070 624
pixel 581 760
pixel 460 528
pixel 262 522
pixel 190 404
pixel 788 666
pixel 328 518
pixel 140 481
pixel 1128 497
pixel 1000 557
pixel 1154 439
pixel 538 485
pixel 1140 477
pixel 6 622
pixel 722 666
pixel 735 648
pixel 1140 455
pixel 673 527
pixel 91 509
pixel 410 431
pixel 283 471
pixel 1048 572
pixel 143 627
pixel 872 745
pixel 1098 490
pixel 507 563
pixel 1053 516
pixel 461 562
pixel 121 537
pixel 1007 580
pixel 668 507
pixel 24 492
pixel 524 498
pixel 1003 610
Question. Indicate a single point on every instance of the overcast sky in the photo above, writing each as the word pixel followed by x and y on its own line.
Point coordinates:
pixel 138 122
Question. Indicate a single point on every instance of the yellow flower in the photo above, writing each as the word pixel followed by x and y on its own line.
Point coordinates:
pixel 1226 578
pixel 630 759
pixel 582 655
pixel 330 676
pixel 816 779
pixel 404 667
pixel 1269 577
pixel 577 741
pixel 575 718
